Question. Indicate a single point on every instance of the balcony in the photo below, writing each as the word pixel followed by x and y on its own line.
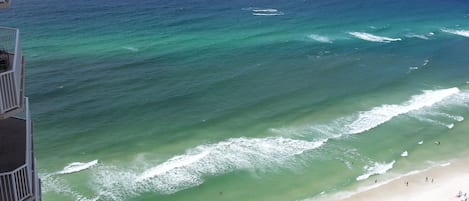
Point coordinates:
pixel 18 175
pixel 5 3
pixel 11 73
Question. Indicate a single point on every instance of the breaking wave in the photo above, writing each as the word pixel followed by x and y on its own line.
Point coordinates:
pixel 77 167
pixel 377 168
pixel 366 120
pixel 189 169
pixel 373 38
pixel 263 11
pixel 464 33
pixel 370 119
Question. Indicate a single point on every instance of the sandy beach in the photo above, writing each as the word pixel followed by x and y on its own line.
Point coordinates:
pixel 448 180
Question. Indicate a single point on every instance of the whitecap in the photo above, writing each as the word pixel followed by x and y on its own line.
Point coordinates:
pixel 319 38
pixel 268 10
pixel 77 167
pixel 420 142
pixel 450 126
pixel 405 154
pixel 267 14
pixel 464 33
pixel 425 62
pixel 373 38
pixel 367 120
pixel 377 168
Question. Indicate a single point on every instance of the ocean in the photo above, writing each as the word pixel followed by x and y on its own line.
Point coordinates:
pixel 241 100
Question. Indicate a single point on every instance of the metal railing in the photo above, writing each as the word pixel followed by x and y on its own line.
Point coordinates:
pixel 23 182
pixel 11 80
pixel 14 185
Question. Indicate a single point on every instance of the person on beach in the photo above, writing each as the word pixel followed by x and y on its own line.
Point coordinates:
pixel 426 179
pixel 406 183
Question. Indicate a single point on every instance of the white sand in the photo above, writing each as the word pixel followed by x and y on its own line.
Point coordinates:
pixel 448 181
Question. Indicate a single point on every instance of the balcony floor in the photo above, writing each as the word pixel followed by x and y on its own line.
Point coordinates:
pixel 12 144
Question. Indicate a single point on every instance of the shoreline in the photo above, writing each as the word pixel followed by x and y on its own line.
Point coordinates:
pixel 448 180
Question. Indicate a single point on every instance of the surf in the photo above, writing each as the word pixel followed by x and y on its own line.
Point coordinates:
pixel 376 169
pixel 464 33
pixel 367 120
pixel 77 167
pixel 373 38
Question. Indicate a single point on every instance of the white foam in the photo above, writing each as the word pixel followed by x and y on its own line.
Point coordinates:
pixel 377 168
pixel 51 183
pixel 405 154
pixel 264 11
pixel 268 10
pixel 235 153
pixel 420 142
pixel 425 62
pixel 367 120
pixel 319 38
pixel 454 117
pixel 77 167
pixel 268 14
pixel 373 38
pixel 464 33
pixel 445 164
pixel 190 169
pixel 423 37
pixel 450 126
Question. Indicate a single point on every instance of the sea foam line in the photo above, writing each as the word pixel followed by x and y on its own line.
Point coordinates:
pixel 190 169
pixel 366 120
pixel 464 33
pixel 373 38
pixel 379 115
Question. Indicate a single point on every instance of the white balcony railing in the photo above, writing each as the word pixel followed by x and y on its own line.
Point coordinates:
pixel 11 79
pixel 14 185
pixel 22 183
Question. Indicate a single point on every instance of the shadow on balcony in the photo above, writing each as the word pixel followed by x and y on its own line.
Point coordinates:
pixel 12 144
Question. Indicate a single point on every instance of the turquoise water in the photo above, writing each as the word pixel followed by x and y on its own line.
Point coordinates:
pixel 212 100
